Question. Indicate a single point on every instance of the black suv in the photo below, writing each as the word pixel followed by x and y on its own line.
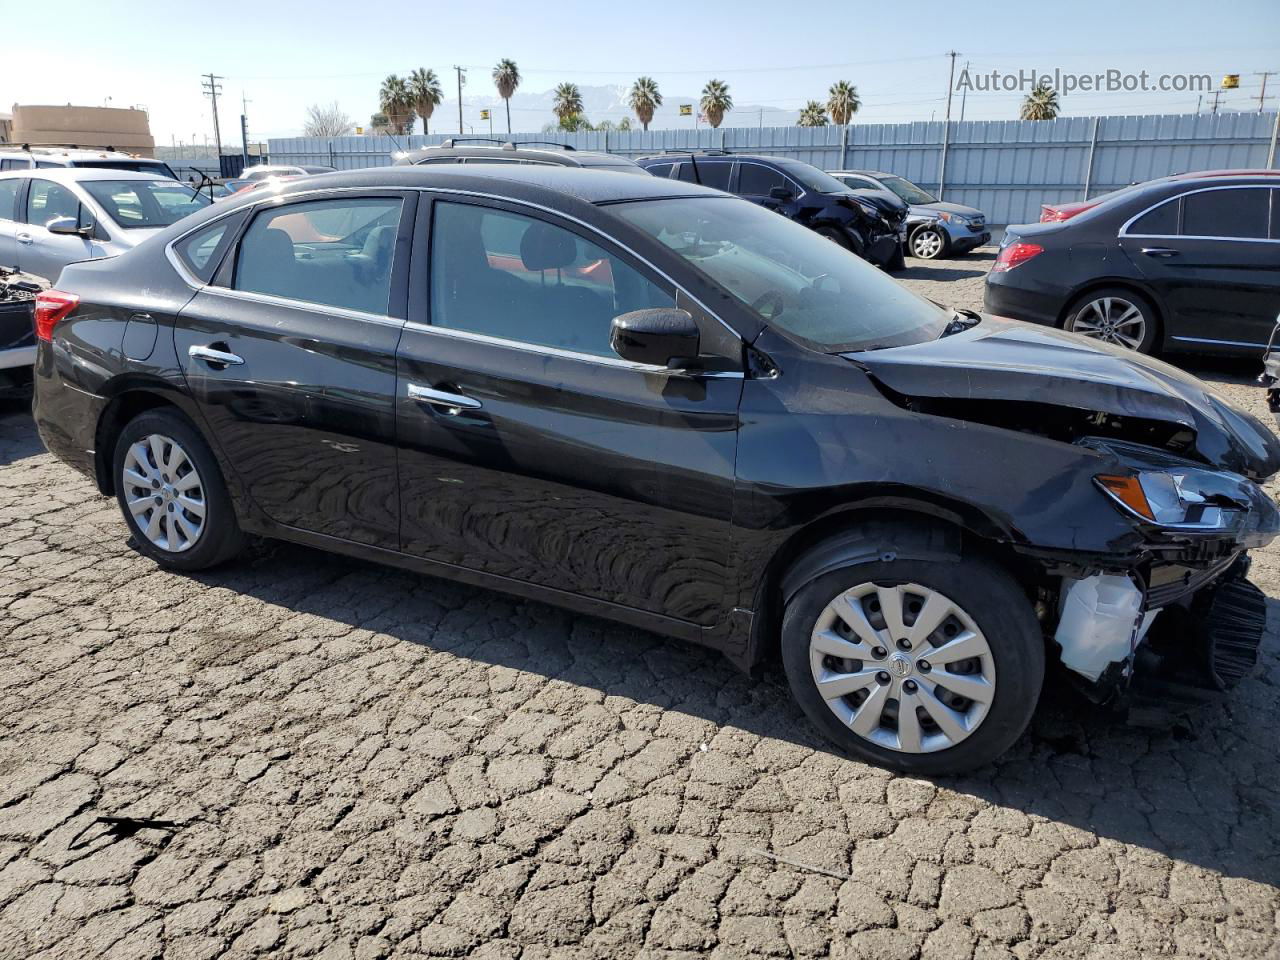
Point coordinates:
pixel 800 192
pixel 488 150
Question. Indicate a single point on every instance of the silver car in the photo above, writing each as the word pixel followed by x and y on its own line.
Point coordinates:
pixel 52 217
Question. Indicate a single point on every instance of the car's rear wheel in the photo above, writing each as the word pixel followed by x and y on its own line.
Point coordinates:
pixel 928 243
pixel 172 494
pixel 1115 315
pixel 926 667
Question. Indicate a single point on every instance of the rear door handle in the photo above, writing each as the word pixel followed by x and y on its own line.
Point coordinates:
pixel 1159 252
pixel 24 238
pixel 450 403
pixel 212 355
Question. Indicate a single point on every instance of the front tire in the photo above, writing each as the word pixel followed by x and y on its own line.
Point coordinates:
pixel 928 243
pixel 172 494
pixel 956 643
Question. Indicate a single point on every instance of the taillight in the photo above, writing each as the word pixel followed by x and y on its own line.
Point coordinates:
pixel 52 306
pixel 1014 254
pixel 1050 214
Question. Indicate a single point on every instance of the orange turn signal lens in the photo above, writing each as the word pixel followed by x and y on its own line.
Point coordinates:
pixel 1128 490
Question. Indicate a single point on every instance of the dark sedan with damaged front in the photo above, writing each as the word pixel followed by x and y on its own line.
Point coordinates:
pixel 664 405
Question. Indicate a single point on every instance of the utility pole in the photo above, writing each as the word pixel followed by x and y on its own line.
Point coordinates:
pixel 1216 95
pixel 946 125
pixel 461 75
pixel 211 90
pixel 244 130
pixel 1262 97
pixel 964 97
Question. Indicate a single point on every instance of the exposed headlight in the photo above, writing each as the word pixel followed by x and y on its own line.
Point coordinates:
pixel 953 218
pixel 1185 498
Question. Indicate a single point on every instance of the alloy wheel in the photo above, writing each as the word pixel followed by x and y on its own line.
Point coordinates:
pixel 926 244
pixel 164 493
pixel 1112 320
pixel 902 666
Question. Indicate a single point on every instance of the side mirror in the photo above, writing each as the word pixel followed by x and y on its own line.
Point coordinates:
pixel 662 337
pixel 780 193
pixel 68 227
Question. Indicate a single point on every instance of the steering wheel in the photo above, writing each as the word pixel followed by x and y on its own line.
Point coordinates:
pixel 765 299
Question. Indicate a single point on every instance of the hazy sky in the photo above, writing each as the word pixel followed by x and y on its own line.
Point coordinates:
pixel 283 56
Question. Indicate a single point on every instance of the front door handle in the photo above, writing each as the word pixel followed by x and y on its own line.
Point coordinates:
pixel 24 238
pixel 212 355
pixel 450 403
pixel 1159 251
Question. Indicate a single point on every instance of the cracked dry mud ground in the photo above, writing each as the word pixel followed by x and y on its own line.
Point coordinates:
pixel 367 763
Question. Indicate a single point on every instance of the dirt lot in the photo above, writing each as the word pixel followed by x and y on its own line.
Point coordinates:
pixel 365 763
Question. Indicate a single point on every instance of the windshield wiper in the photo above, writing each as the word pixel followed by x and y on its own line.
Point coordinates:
pixel 961 320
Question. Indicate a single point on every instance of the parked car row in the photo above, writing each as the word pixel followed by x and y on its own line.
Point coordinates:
pixel 651 401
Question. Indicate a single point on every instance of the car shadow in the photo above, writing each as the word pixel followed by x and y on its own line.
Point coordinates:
pixel 939 273
pixel 18 438
pixel 1200 789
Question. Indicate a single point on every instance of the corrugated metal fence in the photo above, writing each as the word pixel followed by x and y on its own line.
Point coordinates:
pixel 1005 167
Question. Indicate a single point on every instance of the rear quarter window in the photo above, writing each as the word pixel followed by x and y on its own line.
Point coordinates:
pixel 202 251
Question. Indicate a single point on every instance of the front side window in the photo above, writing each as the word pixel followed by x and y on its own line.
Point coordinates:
pixel 756 180
pixel 145 203
pixel 788 275
pixel 9 197
pixel 336 253
pixel 1235 213
pixel 47 201
pixel 514 277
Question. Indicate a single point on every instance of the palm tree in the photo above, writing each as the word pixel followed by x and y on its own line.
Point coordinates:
pixel 506 76
pixel 425 94
pixel 843 102
pixel 716 101
pixel 396 102
pixel 644 99
pixel 813 114
pixel 568 102
pixel 1040 104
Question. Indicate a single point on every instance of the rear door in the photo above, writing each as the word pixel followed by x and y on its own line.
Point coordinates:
pixel 11 194
pixel 290 354
pixel 44 253
pixel 1213 260
pixel 528 449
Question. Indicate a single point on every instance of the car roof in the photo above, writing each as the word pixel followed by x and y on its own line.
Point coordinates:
pixel 568 158
pixel 70 153
pixel 78 174
pixel 864 173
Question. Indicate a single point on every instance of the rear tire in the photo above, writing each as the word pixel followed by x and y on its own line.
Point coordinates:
pixel 984 618
pixel 172 494
pixel 1115 315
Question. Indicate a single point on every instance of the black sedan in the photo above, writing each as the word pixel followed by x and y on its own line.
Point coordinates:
pixel 1190 262
pixel 660 404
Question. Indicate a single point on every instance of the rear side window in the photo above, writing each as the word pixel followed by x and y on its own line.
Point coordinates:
pixel 1160 222
pixel 335 253
pixel 662 170
pixel 9 198
pixel 756 180
pixel 1234 213
pixel 710 173
pixel 202 251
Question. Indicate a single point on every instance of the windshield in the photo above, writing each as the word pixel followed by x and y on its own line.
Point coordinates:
pixel 908 191
pixel 793 278
pixel 145 203
pixel 811 178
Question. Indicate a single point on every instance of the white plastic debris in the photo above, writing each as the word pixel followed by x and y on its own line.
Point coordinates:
pixel 1100 623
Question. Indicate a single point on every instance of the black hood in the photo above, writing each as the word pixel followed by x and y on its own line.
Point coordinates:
pixel 1003 360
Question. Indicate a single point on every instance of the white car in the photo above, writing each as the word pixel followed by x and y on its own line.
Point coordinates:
pixel 50 217
pixel 51 157
pixel 267 170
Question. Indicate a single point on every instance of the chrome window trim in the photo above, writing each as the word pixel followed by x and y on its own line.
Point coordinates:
pixel 314 307
pixel 1124 228
pixel 545 350
pixel 453 191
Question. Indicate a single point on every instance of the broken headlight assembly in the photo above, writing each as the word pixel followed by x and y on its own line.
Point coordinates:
pixel 1173 493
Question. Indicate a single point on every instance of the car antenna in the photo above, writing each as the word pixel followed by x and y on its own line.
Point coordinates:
pixel 694 163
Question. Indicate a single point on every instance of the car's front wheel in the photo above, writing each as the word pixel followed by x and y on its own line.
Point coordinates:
pixel 172 494
pixel 926 667
pixel 928 243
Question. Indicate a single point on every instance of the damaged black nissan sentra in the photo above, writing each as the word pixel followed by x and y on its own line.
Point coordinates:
pixel 658 403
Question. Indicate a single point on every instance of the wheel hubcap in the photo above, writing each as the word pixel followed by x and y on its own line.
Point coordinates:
pixel 931 692
pixel 164 493
pixel 927 245
pixel 1112 320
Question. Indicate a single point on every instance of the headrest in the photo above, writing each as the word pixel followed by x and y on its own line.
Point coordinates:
pixel 544 247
